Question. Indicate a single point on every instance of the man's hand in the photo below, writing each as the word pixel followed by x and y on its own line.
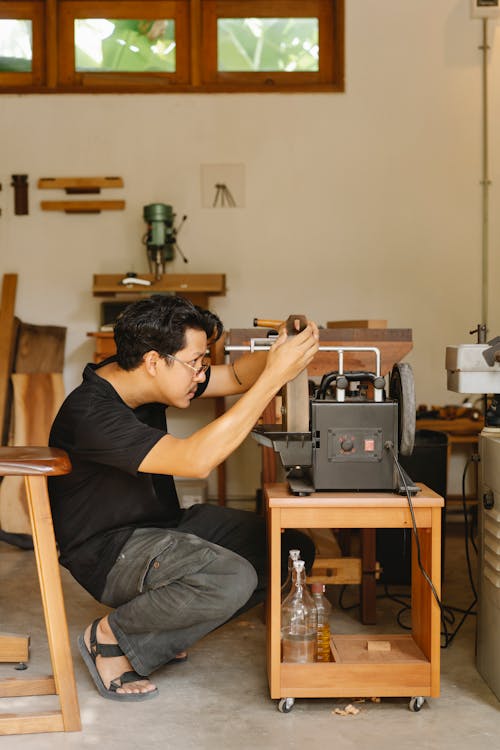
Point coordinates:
pixel 289 355
pixel 199 454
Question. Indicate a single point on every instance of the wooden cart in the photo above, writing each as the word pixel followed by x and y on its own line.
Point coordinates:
pixel 407 665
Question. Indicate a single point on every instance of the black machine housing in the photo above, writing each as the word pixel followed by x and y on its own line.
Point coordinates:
pixel 348 441
pixel 352 444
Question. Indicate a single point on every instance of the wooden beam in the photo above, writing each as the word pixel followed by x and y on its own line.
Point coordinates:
pixel 7 340
pixel 336 570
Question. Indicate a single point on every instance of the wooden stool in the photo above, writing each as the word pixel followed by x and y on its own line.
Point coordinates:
pixel 35 464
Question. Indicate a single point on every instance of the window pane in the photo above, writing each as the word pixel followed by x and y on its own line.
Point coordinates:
pixel 267 44
pixel 16 48
pixel 108 45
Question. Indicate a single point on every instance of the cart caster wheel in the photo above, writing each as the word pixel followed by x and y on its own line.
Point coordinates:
pixel 285 705
pixel 416 703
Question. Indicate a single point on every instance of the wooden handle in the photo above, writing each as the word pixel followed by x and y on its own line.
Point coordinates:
pixel 294 323
pixel 265 323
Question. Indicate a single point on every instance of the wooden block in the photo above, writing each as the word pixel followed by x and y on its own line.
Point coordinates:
pixel 378 645
pixel 356 324
pixel 336 571
pixel 13 647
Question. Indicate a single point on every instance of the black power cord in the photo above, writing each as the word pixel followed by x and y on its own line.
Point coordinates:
pixel 390 447
pixel 447 612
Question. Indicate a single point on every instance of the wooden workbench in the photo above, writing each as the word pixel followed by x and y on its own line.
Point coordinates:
pixel 411 666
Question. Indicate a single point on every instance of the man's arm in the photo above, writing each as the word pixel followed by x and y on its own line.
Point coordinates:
pixel 201 452
pixel 237 377
pixel 240 375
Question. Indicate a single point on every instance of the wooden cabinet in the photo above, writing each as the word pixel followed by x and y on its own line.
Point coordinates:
pixel 197 287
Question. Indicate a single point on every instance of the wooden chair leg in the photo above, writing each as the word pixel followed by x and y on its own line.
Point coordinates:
pixel 63 681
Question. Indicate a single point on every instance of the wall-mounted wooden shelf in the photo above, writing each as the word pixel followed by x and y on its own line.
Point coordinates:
pixel 190 285
pixel 82 207
pixel 81 186
pixel 74 185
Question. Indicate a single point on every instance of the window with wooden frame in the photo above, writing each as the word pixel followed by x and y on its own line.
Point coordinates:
pixel 171 45
pixel 22 52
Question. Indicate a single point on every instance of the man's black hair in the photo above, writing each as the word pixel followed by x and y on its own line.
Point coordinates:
pixel 159 323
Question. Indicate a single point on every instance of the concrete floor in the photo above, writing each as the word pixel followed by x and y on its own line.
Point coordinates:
pixel 219 698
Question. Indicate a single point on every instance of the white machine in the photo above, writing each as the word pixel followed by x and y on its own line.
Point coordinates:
pixel 475 368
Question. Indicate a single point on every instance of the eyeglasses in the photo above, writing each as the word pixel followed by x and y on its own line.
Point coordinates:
pixel 197 371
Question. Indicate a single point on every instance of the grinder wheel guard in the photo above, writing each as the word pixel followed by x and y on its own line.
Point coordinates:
pixel 402 390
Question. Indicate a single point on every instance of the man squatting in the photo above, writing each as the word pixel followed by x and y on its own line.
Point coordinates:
pixel 170 575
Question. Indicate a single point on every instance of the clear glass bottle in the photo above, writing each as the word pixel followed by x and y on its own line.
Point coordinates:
pixel 299 621
pixel 293 554
pixel 323 608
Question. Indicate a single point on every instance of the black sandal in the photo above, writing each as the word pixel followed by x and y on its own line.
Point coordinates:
pixel 109 650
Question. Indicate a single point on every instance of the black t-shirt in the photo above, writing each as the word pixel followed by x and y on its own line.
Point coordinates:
pixel 98 505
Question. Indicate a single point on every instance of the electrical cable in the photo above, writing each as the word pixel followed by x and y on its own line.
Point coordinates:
pixel 390 446
pixel 473 459
pixel 447 611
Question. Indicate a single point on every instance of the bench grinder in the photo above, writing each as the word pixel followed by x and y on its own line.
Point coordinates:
pixel 346 433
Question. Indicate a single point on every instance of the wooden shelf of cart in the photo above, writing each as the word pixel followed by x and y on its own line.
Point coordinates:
pixel 396 665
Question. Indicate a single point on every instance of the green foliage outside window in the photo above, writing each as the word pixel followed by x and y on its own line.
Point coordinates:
pixel 120 45
pixel 267 44
pixel 15 45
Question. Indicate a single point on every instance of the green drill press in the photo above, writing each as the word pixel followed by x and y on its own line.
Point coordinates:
pixel 161 236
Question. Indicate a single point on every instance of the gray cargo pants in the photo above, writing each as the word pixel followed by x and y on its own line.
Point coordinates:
pixel 170 587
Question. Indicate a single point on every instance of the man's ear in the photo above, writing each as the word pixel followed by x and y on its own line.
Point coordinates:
pixel 150 361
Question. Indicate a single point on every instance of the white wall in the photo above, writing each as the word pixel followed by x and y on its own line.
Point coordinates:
pixel 362 204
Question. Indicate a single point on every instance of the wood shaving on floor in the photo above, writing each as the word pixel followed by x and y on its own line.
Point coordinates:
pixel 349 710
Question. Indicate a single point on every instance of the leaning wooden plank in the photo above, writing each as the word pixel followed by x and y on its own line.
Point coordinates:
pixel 40 349
pixel 37 398
pixel 7 340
